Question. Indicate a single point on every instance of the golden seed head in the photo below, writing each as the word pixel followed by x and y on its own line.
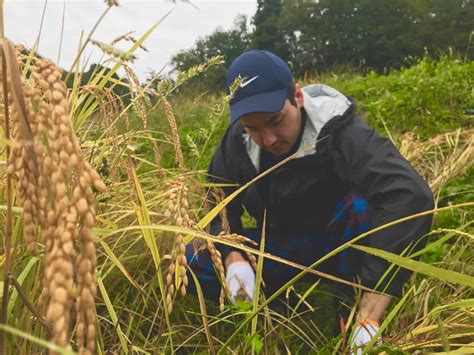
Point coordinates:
pixel 47 167
pixel 84 266
pixel 44 84
pixel 89 220
pixel 51 78
pixel 100 186
pixel 82 205
pixel 60 295
pixel 55 311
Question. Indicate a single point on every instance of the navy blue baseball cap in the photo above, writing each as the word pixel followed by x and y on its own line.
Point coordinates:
pixel 264 86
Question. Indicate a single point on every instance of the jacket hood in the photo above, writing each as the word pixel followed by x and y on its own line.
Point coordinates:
pixel 322 103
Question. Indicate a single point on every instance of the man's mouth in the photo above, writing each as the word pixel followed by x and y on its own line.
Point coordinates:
pixel 277 149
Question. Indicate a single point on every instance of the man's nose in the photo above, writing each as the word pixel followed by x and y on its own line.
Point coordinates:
pixel 268 138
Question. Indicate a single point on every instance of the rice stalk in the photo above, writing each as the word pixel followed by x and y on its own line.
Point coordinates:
pixel 54 189
pixel 5 122
pixel 157 155
pixel 217 196
pixel 102 79
pixel 128 37
pixel 216 258
pixel 140 101
pixel 110 4
pixel 110 105
pixel 174 132
pixel 143 219
pixel 198 69
pixel 177 210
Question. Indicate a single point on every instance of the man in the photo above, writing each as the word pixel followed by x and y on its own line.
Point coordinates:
pixel 347 180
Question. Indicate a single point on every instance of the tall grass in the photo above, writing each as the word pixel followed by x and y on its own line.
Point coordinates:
pixel 139 242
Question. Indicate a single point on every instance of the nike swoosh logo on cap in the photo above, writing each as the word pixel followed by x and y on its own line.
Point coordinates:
pixel 242 85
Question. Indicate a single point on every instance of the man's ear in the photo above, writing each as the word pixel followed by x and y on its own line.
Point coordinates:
pixel 299 98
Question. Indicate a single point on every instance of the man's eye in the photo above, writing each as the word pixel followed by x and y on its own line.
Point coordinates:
pixel 276 122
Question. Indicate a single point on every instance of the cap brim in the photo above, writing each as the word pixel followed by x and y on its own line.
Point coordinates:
pixel 266 102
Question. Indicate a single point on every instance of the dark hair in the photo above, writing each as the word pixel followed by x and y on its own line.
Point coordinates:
pixel 291 94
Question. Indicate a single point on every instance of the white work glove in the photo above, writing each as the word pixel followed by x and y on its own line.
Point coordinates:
pixel 240 279
pixel 363 333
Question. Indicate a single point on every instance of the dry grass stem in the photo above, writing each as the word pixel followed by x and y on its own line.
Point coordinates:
pixel 441 158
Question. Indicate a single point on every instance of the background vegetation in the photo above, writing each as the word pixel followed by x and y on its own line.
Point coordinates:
pixel 318 36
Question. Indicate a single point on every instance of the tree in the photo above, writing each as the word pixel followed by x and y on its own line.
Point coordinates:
pixel 444 24
pixel 229 44
pixel 318 35
pixel 267 34
pixel 376 34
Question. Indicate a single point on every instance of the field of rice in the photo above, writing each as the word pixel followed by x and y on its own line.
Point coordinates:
pixel 100 192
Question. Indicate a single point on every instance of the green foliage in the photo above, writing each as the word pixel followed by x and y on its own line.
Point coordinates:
pixel 430 97
pixel 373 34
pixel 119 90
pixel 228 44
pixel 322 35
pixel 201 123
pixel 267 34
pixel 256 343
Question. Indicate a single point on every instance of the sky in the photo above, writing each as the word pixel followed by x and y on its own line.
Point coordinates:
pixel 178 31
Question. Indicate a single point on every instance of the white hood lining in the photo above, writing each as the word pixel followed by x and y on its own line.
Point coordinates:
pixel 321 103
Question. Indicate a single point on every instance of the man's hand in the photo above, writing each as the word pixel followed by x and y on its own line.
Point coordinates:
pixel 363 333
pixel 240 279
pixel 372 307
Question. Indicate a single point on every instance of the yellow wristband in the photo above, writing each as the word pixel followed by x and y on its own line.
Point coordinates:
pixel 368 321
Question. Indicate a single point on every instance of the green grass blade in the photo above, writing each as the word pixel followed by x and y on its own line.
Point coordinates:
pixel 119 265
pixel 469 303
pixel 258 283
pixel 21 278
pixel 144 219
pixel 113 315
pixel 436 244
pixel 304 297
pixel 203 235
pixel 215 211
pixel 202 307
pixel 36 340
pixel 467 349
pixel 420 267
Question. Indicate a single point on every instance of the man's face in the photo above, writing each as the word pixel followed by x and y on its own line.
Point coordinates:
pixel 276 132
